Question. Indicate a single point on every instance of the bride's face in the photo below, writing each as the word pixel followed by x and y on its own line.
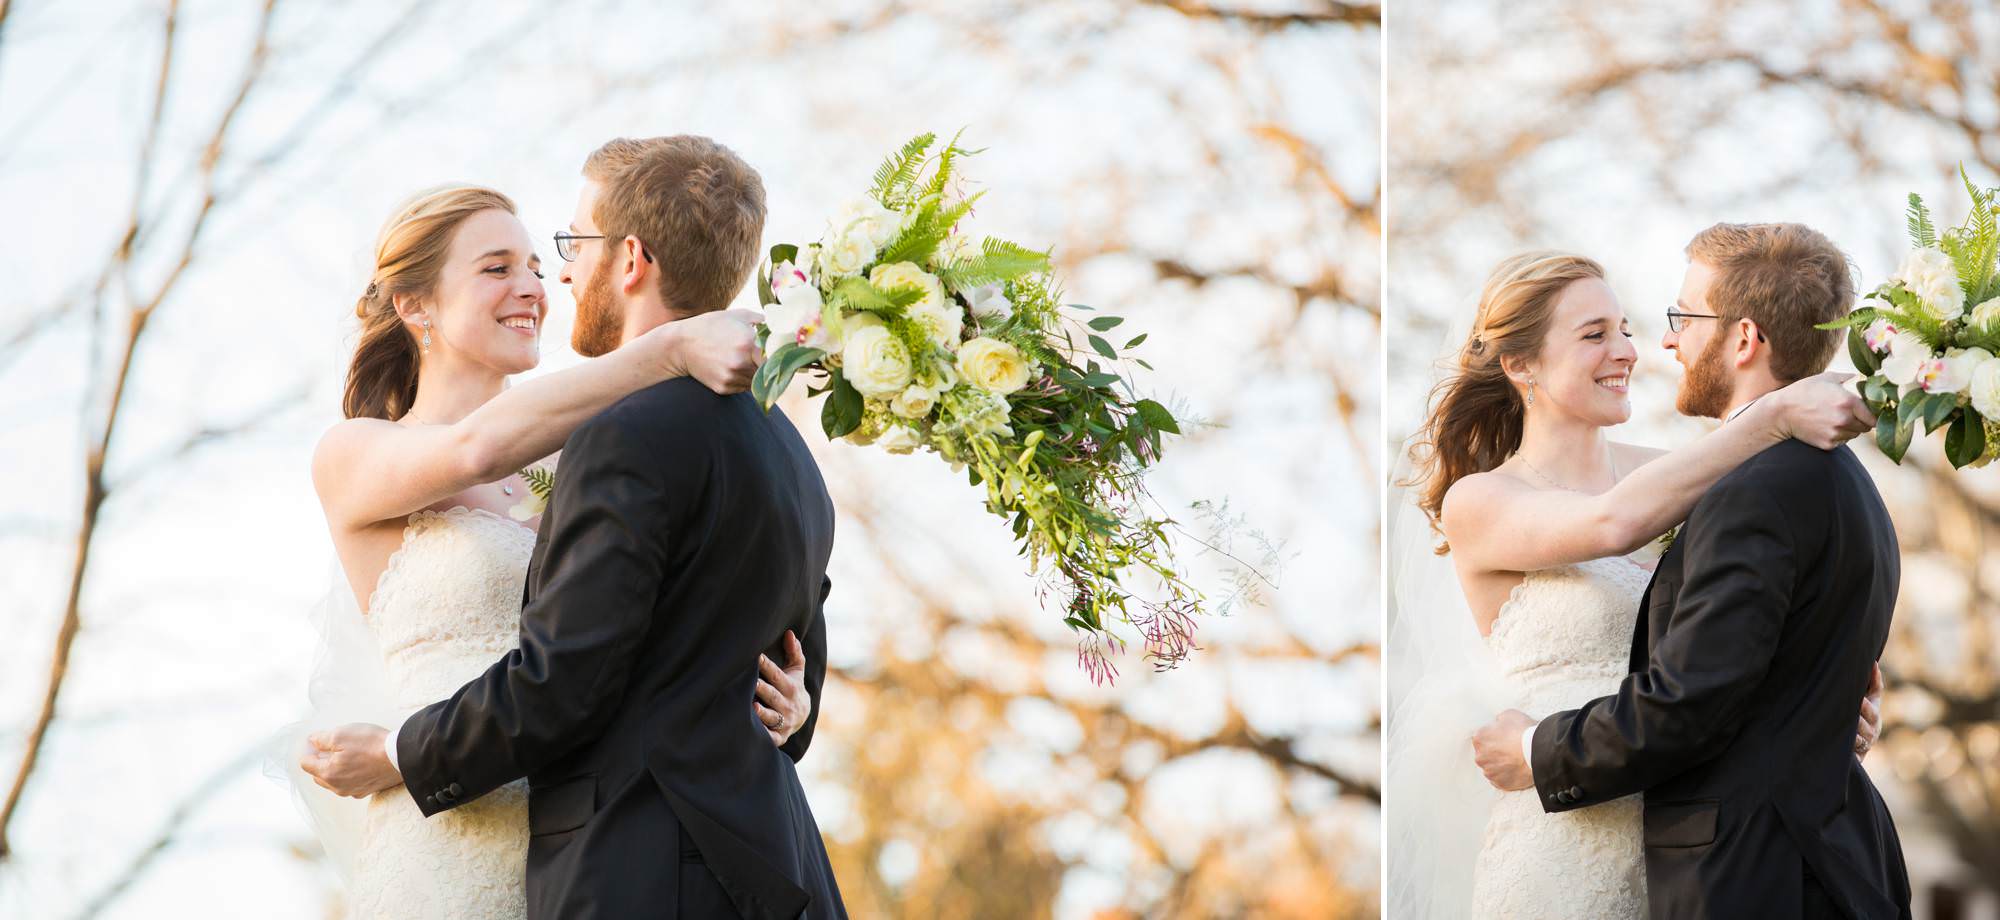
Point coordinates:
pixel 1585 368
pixel 489 303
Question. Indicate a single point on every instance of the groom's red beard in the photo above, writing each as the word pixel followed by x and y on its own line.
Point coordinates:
pixel 1705 387
pixel 599 328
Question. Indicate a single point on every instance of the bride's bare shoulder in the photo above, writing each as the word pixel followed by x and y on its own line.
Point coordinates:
pixel 346 434
pixel 1473 496
pixel 342 440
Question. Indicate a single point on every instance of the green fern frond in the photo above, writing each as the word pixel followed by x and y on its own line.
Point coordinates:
pixel 1911 315
pixel 900 169
pixel 997 261
pixel 857 294
pixel 947 158
pixel 927 231
pixel 1923 233
pixel 1982 242
pixel 541 481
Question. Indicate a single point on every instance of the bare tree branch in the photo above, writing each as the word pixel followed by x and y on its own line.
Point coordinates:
pixel 95 491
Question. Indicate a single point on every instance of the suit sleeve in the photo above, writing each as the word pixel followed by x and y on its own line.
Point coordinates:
pixel 1740 566
pixel 814 644
pixel 603 562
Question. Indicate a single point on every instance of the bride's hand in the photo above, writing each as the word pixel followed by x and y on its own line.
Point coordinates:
pixel 1871 715
pixel 1822 411
pixel 719 349
pixel 782 702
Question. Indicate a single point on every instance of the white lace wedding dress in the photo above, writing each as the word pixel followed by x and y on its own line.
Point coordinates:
pixel 1564 635
pixel 445 609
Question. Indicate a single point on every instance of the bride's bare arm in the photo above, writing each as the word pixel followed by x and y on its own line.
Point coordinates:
pixel 369 470
pixel 1497 523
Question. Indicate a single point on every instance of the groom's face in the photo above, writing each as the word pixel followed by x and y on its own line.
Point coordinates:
pixel 600 320
pixel 1705 381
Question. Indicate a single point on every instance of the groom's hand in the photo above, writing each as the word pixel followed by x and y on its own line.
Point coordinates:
pixel 350 761
pixel 1496 747
pixel 782 702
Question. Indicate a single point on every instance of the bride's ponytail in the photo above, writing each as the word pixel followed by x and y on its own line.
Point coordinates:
pixel 1476 412
pixel 409 253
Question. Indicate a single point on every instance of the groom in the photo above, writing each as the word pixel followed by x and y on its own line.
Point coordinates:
pixel 687 533
pixel 1760 629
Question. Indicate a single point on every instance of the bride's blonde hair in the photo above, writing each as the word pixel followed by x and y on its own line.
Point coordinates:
pixel 1475 412
pixel 409 253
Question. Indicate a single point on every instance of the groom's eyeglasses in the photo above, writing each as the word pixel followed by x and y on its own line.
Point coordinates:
pixel 1676 320
pixel 566 244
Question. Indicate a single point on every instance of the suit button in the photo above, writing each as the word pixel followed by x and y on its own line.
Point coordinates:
pixel 1574 792
pixel 430 800
pixel 455 789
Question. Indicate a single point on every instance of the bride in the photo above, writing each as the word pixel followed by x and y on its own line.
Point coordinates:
pixel 432 523
pixel 1551 529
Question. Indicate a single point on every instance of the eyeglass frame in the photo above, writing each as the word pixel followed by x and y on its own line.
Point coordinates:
pixel 567 252
pixel 1677 321
pixel 565 241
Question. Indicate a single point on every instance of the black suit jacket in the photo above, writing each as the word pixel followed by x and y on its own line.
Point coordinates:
pixel 687 532
pixel 1754 646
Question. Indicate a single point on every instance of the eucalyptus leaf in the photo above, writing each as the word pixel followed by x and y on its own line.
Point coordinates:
pixel 1157 416
pixel 1103 347
pixel 1106 323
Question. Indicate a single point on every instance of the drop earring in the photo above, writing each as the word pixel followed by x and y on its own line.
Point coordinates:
pixel 1531 389
pixel 427 340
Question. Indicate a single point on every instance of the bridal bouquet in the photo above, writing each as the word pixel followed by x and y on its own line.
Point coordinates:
pixel 921 337
pixel 1927 346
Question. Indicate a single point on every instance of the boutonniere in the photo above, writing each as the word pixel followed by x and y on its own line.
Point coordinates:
pixel 1666 540
pixel 541 484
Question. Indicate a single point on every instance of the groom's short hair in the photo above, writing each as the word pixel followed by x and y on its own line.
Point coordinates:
pixel 697 207
pixel 1787 278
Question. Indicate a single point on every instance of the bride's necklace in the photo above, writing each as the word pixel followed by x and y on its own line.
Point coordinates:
pixel 506 489
pixel 1610 456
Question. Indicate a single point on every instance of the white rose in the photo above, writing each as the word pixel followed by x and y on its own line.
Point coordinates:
pixel 989 303
pixel 914 402
pixel 1986 316
pixel 899 439
pixel 874 361
pixel 844 257
pixel 936 312
pixel 1907 354
pixel 1985 389
pixel 1933 277
pixel 993 365
pixel 867 219
pixel 1953 372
